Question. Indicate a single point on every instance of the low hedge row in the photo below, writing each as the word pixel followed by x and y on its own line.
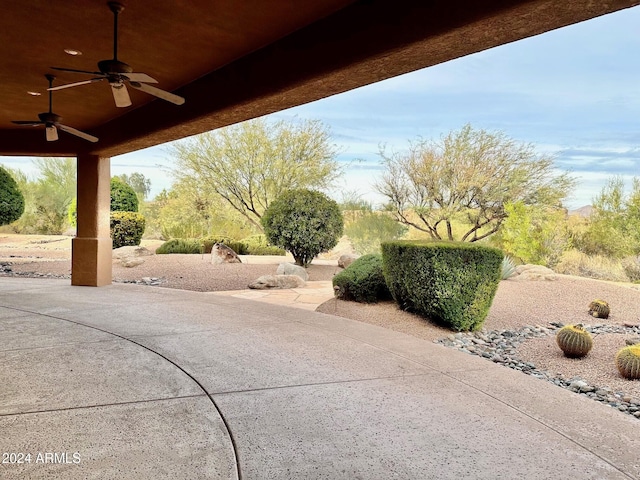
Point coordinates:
pixel 449 282
pixel 204 245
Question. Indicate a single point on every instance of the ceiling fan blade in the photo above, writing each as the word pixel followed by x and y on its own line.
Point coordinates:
pixel 32 123
pixel 75 84
pixel 120 95
pixel 140 77
pixel 76 71
pixel 169 97
pixel 77 133
pixel 52 133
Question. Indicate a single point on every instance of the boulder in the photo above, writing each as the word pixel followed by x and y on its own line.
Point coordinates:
pixel 345 260
pixel 291 269
pixel 130 262
pixel 220 253
pixel 130 251
pixel 277 281
pixel 533 272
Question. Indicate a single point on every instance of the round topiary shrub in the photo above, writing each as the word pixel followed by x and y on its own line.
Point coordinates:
pixel 574 341
pixel 599 309
pixel 123 197
pixel 628 362
pixel 303 222
pixel 126 228
pixel 11 199
pixel 362 281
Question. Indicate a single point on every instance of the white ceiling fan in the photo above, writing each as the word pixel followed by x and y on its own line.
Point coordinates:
pixel 119 74
pixel 51 121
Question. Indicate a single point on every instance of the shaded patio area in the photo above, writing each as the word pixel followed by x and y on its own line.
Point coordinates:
pixel 144 382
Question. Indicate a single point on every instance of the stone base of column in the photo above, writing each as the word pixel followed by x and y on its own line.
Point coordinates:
pixel 91 262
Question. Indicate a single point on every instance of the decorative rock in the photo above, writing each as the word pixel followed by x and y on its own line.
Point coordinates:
pixel 345 260
pixel 277 281
pixel 130 251
pixel 631 324
pixel 130 262
pixel 501 348
pixel 220 253
pixel 533 272
pixel 291 269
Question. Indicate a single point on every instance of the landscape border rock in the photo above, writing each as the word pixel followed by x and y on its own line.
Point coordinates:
pixel 291 269
pixel 499 346
pixel 277 281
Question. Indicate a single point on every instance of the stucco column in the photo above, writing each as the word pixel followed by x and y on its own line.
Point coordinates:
pixel 91 248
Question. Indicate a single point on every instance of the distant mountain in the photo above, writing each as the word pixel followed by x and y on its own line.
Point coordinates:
pixel 584 212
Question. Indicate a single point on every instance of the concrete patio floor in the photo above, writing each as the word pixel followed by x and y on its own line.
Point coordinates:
pixel 139 382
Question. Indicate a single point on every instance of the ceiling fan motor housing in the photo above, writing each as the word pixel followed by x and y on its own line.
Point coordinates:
pixel 114 67
pixel 49 118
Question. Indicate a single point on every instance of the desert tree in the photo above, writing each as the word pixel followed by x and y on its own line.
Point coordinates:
pixel 252 163
pixel 465 180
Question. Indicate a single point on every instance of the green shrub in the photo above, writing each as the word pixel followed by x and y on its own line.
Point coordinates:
pixel 123 197
pixel 367 230
pixel 126 228
pixel 303 222
pixel 180 245
pixel 258 245
pixel 208 243
pixel 362 281
pixel 451 283
pixel 11 199
pixel 268 250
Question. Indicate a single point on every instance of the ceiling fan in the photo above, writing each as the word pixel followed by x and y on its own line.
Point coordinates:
pixel 50 120
pixel 118 73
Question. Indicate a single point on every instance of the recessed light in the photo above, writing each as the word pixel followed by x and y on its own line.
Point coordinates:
pixel 35 94
pixel 72 51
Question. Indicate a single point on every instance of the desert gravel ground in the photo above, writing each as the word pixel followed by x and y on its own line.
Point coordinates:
pixel 517 303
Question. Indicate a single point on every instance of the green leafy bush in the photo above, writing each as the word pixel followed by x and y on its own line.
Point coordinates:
pixel 258 245
pixel 126 228
pixel 451 283
pixel 367 230
pixel 123 197
pixel 362 281
pixel 238 247
pixel 11 199
pixel 180 245
pixel 303 222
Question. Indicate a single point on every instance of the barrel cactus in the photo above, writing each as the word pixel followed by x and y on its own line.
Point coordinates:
pixel 628 362
pixel 599 309
pixel 574 341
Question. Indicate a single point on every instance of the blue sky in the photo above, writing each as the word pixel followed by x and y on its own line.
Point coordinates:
pixel 574 93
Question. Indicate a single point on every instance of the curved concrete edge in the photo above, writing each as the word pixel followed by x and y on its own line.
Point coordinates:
pixel 77 402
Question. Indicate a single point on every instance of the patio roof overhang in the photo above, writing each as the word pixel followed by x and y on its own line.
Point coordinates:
pixel 233 61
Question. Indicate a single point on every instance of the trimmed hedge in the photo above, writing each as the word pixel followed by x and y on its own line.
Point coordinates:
pixel 304 222
pixel 451 283
pixel 180 245
pixel 123 197
pixel 126 228
pixel 204 245
pixel 362 281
